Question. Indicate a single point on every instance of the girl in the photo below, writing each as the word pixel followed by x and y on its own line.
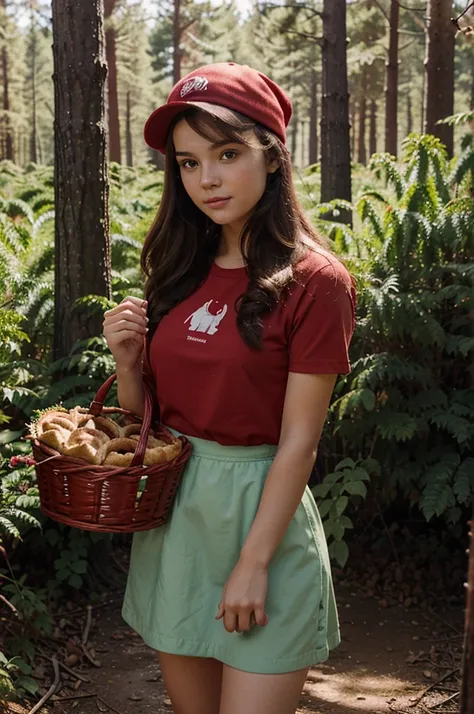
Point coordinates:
pixel 249 322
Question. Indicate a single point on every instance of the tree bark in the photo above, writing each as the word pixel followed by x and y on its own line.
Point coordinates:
pixel 335 146
pixel 176 41
pixel 313 120
pixel 115 153
pixel 391 86
pixel 467 668
pixel 303 144
pixel 439 70
pixel 34 129
pixel 409 114
pixel 373 128
pixel 294 135
pixel 82 244
pixel 362 149
pixel 128 131
pixel 8 149
pixel 472 81
pixel 352 128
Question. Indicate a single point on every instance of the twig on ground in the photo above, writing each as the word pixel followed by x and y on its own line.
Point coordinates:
pixel 445 701
pixel 42 653
pixel 117 711
pixel 74 674
pixel 52 688
pixel 118 564
pixel 87 654
pixel 87 628
pixel 432 686
pixel 446 622
pixel 68 697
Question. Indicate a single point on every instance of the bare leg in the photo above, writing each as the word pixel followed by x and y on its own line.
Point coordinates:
pixel 193 683
pixel 246 693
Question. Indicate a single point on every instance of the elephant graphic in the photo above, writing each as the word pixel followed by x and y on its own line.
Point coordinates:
pixel 206 320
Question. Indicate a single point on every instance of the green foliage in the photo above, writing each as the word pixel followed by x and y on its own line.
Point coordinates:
pixel 409 401
pixel 333 496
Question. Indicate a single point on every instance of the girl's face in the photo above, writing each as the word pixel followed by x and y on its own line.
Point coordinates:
pixel 233 173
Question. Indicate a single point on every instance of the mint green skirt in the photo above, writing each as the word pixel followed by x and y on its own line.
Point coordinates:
pixel 178 571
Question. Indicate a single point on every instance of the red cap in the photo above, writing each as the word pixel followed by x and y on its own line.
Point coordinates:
pixel 228 84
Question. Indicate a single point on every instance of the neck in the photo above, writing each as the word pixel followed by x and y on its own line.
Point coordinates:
pixel 229 244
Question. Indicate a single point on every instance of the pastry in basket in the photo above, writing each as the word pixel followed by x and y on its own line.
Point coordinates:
pixel 120 452
pixel 99 440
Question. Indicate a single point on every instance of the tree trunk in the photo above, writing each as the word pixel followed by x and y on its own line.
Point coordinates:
pixel 409 114
pixel 362 149
pixel 303 144
pixel 294 135
pixel 313 120
pixel 472 81
pixel 7 129
pixel 373 128
pixel 34 131
pixel 157 159
pixel 128 131
pixel 115 153
pixel 439 69
pixel 467 668
pixel 176 41
pixel 82 244
pixel 353 115
pixel 335 147
pixel 391 86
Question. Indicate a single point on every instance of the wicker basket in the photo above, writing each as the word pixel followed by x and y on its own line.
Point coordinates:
pixel 106 498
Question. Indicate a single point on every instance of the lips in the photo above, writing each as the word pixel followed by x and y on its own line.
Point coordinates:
pixel 217 199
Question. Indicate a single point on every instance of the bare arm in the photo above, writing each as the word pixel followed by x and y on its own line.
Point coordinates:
pixel 306 402
pixel 130 390
pixel 125 327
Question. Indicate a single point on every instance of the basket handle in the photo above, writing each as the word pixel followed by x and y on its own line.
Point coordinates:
pixel 98 403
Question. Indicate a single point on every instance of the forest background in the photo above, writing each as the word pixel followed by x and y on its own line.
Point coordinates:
pixel 387 183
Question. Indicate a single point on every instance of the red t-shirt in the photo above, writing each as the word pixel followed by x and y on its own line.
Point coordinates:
pixel 211 385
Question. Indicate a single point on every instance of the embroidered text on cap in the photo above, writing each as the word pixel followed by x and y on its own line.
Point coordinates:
pixel 193 85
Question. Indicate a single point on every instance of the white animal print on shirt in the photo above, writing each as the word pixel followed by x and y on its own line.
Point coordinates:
pixel 207 318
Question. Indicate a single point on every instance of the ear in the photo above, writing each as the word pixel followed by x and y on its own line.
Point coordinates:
pixel 273 166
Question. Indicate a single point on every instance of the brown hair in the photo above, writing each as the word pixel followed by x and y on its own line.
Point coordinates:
pixel 182 242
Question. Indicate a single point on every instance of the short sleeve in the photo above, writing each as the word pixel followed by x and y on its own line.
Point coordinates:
pixel 323 321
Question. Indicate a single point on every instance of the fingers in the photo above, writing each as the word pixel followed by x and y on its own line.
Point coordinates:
pixel 243 618
pixel 261 618
pixel 135 304
pixel 127 320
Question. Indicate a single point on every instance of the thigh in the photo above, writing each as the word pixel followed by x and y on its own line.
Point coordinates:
pixel 247 693
pixel 193 683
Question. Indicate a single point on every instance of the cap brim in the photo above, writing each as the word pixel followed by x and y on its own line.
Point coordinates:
pixel 158 124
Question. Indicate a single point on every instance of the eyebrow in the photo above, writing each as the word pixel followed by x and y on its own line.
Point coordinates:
pixel 214 145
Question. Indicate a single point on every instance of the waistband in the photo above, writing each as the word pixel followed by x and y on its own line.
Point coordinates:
pixel 213 450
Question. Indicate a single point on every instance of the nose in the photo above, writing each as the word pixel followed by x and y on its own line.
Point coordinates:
pixel 209 176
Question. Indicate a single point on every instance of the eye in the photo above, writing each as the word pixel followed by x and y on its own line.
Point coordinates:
pixel 232 153
pixel 185 164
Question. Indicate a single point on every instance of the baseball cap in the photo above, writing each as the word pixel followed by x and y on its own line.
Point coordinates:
pixel 235 86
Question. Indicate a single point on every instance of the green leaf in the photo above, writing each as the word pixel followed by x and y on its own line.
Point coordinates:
pixel 356 488
pixel 75 581
pixel 325 507
pixel 79 566
pixel 338 530
pixel 339 551
pixel 321 490
pixel 345 464
pixel 341 505
pixel 29 684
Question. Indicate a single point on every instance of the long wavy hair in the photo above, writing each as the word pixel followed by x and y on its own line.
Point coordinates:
pixel 182 242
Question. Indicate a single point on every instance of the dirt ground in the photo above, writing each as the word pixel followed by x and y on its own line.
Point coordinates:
pixel 387 659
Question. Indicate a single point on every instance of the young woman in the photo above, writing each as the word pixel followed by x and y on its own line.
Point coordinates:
pixel 246 325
